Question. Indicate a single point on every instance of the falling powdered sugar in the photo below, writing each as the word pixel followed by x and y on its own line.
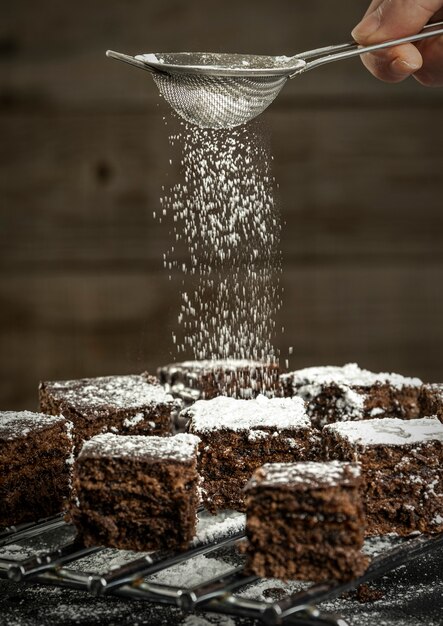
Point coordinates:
pixel 223 212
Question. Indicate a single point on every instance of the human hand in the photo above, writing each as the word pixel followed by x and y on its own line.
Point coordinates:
pixel 390 19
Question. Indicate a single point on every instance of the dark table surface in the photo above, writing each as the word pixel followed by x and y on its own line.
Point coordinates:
pixel 409 596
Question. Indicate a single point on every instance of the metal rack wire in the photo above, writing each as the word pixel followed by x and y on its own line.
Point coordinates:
pixel 217 594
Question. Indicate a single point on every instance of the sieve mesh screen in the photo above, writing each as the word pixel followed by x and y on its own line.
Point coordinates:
pixel 218 101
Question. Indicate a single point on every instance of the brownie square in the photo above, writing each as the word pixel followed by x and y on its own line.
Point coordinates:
pixel 336 394
pixel 402 470
pixel 431 400
pixel 238 436
pixel 135 492
pixel 133 405
pixel 305 521
pixel 237 378
pixel 35 466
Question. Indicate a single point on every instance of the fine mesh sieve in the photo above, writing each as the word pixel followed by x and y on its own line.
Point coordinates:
pixel 224 90
pixel 213 102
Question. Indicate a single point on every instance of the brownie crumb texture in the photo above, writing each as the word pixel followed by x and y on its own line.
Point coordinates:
pixel 402 470
pixel 365 593
pixel 135 492
pixel 238 436
pixel 133 405
pixel 431 400
pixel 343 393
pixel 305 521
pixel 35 466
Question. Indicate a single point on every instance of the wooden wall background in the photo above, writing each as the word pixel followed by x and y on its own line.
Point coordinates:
pixel 84 151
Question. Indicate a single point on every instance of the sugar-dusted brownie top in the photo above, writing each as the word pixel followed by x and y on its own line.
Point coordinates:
pixel 181 448
pixel 197 368
pixel 109 392
pixel 305 476
pixel 228 365
pixel 435 387
pixel 191 372
pixel 224 413
pixel 388 431
pixel 18 424
pixel 208 378
pixel 351 375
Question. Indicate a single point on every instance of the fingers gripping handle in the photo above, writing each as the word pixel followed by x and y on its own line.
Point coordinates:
pixel 348 51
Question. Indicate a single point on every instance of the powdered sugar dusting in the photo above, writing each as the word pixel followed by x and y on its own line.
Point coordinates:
pixel 191 572
pixel 378 544
pixel 389 431
pixel 130 422
pixel 218 61
pixel 376 411
pixel 121 392
pixel 71 459
pixel 260 590
pixel 306 475
pixel 215 620
pixel 210 527
pixel 438 387
pixel 14 424
pixel 349 374
pixel 233 414
pixel 181 447
pixel 15 552
pixel 350 403
pixel 228 365
pixel 239 378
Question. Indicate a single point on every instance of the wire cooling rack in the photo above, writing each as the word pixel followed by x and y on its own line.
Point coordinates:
pixel 216 594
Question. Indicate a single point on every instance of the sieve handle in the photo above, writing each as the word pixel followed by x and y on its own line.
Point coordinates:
pixel 126 58
pixel 350 50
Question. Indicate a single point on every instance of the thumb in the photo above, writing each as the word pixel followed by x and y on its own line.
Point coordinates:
pixel 395 18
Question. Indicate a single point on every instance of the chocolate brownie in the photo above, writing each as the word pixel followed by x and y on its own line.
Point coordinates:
pixel 402 470
pixel 344 393
pixel 35 466
pixel 135 492
pixel 134 405
pixel 238 378
pixel 305 521
pixel 238 436
pixel 431 400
